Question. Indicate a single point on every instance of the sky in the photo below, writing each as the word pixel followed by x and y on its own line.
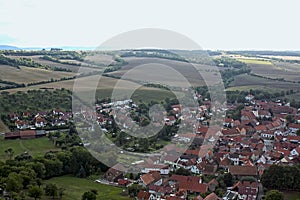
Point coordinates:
pixel 212 24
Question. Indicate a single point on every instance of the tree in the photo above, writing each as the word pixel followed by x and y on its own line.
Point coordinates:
pixel 14 182
pixel 61 192
pixel 281 177
pixel 290 118
pixel 298 132
pixel 35 192
pixel 10 153
pixel 89 196
pixel 134 189
pixel 51 190
pixel 274 195
pixel 182 171
pixel 228 179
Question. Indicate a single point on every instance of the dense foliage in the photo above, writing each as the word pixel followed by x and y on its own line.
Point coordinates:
pixel 282 177
pixel 35 101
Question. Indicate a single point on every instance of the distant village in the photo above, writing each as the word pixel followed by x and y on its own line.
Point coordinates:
pixel 29 125
pixel 266 133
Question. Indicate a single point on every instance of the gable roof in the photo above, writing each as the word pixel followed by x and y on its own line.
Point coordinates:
pixel 143 195
pixel 212 196
pixel 150 177
pixel 243 170
pixel 27 133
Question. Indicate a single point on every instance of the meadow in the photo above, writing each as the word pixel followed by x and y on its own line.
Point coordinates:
pixel 35 147
pixel 75 187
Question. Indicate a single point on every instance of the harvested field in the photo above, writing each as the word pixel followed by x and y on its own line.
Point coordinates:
pixel 253 81
pixel 30 75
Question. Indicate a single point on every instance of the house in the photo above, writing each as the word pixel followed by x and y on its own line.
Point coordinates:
pixel 249 97
pixel 294 127
pixel 40 122
pixel 243 170
pixel 230 132
pixel 114 173
pixel 14 117
pixel 143 195
pixel 261 128
pixel 27 134
pixel 190 183
pixel 212 185
pixel 163 169
pixel 159 191
pixel 246 190
pixel 123 182
pixel 295 152
pixel 230 195
pixel 235 158
pixel 228 122
pixel 225 163
pixel 293 139
pixel 210 169
pixel 12 135
pixel 197 169
pixel 40 133
pixel 151 178
pixel 21 124
pixel 267 134
pixel 212 196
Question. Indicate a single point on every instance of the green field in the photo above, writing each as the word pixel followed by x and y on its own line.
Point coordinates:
pixel 75 187
pixel 255 61
pixel 34 147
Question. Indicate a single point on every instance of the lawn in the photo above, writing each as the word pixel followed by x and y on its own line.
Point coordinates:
pixel 75 187
pixel 35 147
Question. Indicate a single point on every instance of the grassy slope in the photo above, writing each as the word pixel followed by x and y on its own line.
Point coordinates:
pixel 3 127
pixel 35 147
pixel 75 187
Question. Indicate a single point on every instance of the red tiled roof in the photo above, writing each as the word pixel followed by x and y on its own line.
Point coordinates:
pixel 190 183
pixel 229 132
pixel 295 126
pixel 212 196
pixel 143 195
pixel 243 170
pixel 12 135
pixel 150 177
pixel 27 133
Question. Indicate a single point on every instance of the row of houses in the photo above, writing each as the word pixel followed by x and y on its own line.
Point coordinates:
pixel 25 134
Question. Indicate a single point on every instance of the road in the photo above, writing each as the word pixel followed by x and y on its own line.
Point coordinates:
pixel 260 191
